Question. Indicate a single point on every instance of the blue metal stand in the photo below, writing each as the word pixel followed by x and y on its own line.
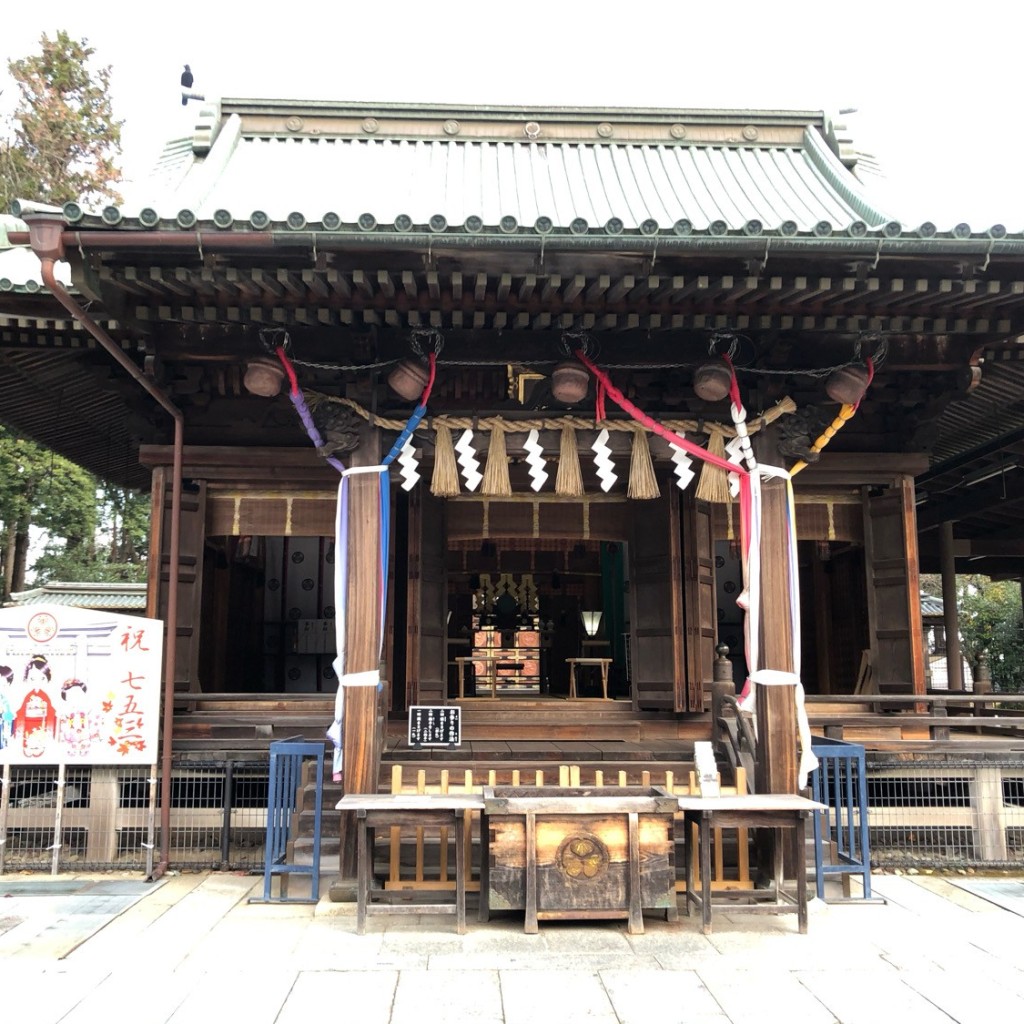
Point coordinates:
pixel 286 758
pixel 840 782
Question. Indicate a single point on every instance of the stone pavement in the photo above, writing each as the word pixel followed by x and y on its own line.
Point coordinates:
pixel 192 949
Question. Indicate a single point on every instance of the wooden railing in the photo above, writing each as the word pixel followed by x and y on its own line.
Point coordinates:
pixel 940 715
pixel 934 717
pixel 734 734
pixel 439 876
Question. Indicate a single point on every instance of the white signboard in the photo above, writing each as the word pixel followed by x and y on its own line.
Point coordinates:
pixel 78 686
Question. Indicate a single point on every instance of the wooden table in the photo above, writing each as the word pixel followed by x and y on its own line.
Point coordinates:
pixel 765 810
pixel 462 662
pixel 574 666
pixel 385 810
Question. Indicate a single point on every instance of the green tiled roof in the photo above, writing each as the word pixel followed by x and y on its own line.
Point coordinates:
pixel 269 165
pixel 129 597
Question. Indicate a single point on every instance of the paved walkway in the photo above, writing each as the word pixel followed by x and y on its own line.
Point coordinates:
pixel 192 949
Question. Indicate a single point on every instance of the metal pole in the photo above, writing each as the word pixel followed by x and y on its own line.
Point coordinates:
pixel 58 819
pixel 225 832
pixel 151 822
pixel 5 803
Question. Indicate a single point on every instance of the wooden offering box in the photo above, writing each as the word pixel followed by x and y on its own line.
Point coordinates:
pixel 578 853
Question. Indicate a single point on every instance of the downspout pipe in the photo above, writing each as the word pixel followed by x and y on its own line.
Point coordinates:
pixel 46 238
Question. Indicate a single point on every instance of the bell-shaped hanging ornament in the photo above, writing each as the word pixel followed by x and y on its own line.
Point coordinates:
pixel 847 384
pixel 569 383
pixel 408 379
pixel 263 376
pixel 711 380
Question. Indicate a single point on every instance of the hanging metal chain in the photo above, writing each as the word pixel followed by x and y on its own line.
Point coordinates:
pixel 433 337
pixel 720 338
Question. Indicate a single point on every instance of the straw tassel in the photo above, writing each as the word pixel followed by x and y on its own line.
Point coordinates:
pixel 643 484
pixel 496 482
pixel 713 484
pixel 569 481
pixel 445 481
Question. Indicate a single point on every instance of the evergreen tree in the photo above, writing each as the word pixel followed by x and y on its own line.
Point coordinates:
pixel 94 532
pixel 40 489
pixel 991 620
pixel 63 142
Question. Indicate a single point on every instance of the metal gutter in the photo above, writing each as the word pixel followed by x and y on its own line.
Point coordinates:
pixel 741 246
pixel 46 237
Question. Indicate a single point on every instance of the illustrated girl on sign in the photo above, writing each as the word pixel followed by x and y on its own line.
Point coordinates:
pixel 78 727
pixel 35 724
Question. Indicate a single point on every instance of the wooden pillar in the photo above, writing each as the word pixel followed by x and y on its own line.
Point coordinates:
pixel 776 767
pixel 823 641
pixel 360 749
pixel 950 615
pixel 894 588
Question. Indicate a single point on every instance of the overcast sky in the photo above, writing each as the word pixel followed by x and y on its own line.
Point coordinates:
pixel 935 85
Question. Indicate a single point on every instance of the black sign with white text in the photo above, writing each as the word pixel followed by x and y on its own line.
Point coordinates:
pixel 435 726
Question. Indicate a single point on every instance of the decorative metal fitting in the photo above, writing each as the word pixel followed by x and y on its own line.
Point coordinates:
pixel 576 338
pixel 273 338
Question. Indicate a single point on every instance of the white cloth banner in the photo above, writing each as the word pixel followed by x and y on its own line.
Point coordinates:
pixel 773 677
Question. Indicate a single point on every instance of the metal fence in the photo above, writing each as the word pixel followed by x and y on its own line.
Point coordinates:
pixel 924 810
pixel 106 819
pixel 931 810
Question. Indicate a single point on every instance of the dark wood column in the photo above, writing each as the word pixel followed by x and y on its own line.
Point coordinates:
pixel 776 766
pixel 427 622
pixel 894 588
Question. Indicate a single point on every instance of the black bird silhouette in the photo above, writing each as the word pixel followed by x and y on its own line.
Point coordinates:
pixel 186 83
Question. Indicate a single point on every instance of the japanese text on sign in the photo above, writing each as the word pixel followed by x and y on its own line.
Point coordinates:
pixel 78 686
pixel 435 726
